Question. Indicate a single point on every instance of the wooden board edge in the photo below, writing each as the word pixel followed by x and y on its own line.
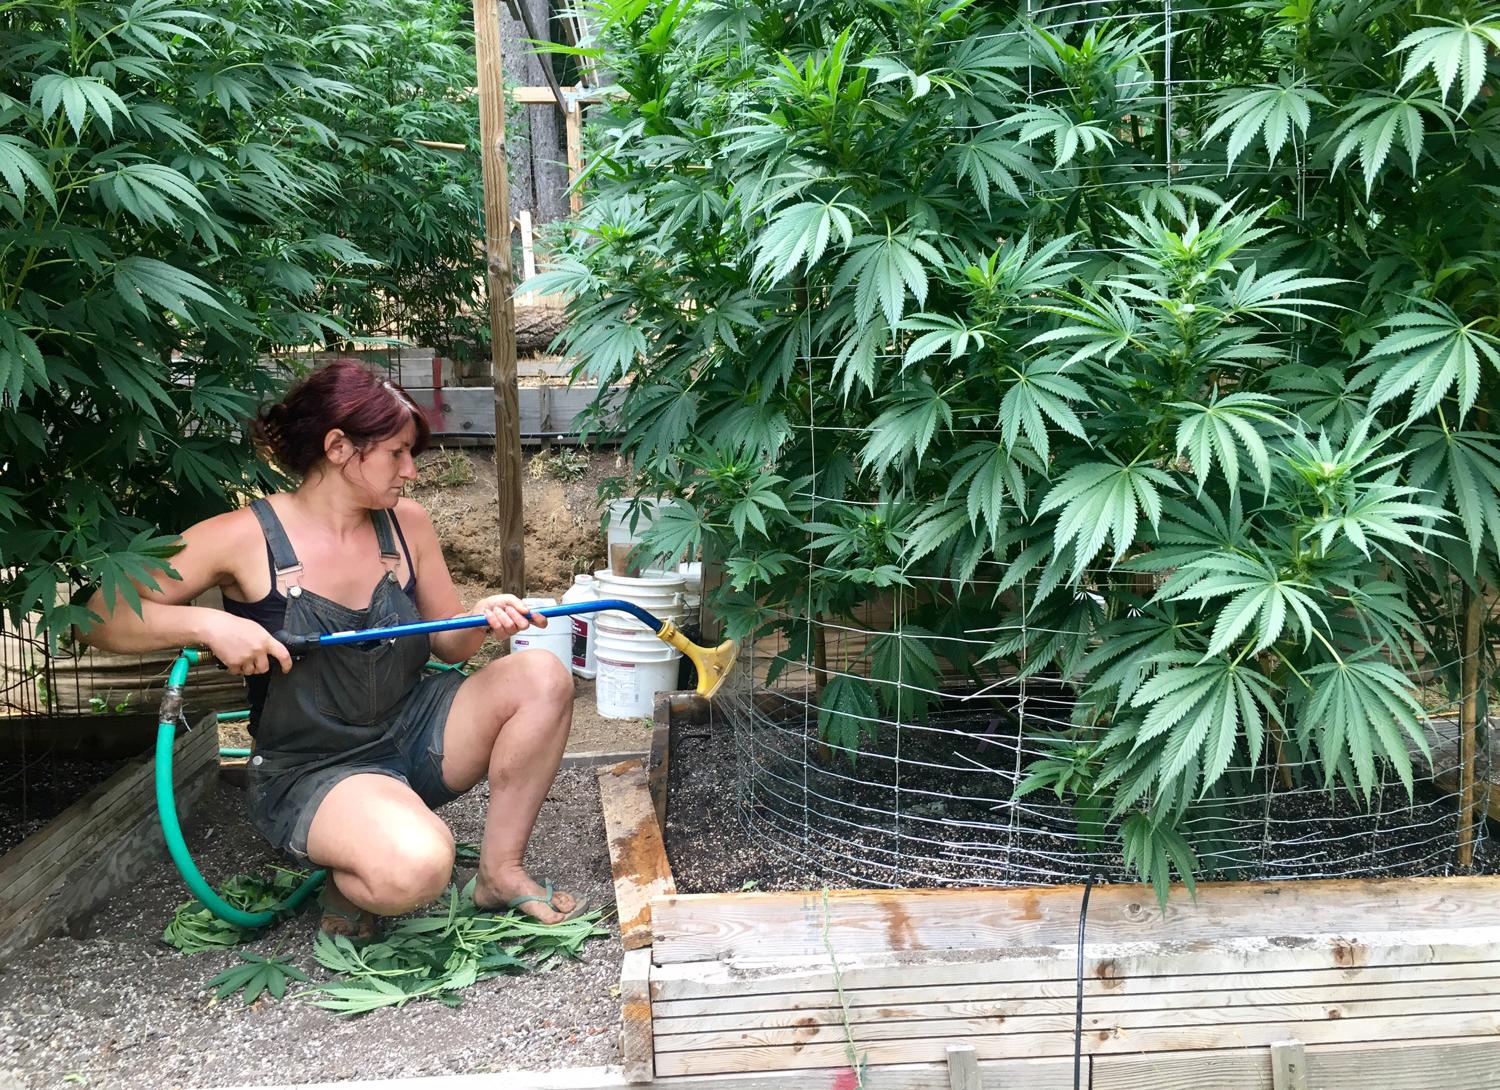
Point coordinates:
pixel 637 1041
pixel 637 851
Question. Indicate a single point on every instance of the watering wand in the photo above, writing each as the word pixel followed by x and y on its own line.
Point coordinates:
pixel 713 663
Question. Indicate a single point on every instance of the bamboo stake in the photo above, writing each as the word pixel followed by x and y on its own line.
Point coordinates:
pixel 499 284
pixel 1468 724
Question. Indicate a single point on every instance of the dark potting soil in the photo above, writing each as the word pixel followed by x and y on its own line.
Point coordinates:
pixel 758 803
pixel 36 788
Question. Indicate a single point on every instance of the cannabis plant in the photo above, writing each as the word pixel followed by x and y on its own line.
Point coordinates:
pixel 183 190
pixel 1161 352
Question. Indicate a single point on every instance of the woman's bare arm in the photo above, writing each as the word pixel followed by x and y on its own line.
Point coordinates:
pixel 211 556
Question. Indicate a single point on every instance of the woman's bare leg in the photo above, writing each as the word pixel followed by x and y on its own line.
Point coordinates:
pixel 510 722
pixel 385 851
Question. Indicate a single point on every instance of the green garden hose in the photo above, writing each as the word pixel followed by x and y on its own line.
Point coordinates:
pixel 166 808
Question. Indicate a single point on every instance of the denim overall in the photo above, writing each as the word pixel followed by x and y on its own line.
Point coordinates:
pixel 344 709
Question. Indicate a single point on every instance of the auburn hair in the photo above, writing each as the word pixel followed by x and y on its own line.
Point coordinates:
pixel 345 395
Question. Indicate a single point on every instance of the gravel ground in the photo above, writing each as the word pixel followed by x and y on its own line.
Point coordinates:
pixel 112 1008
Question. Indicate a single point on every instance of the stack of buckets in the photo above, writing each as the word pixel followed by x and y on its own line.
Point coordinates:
pixel 629 664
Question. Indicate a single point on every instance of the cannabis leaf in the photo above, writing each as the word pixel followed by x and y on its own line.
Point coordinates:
pixel 1362 706
pixel 1432 352
pixel 1259 594
pixel 1152 850
pixel 19 166
pixel 906 428
pixel 1069 134
pixel 992 161
pixel 1465 466
pixel 847 714
pixel 1374 124
pixel 798 235
pixel 1203 708
pixel 1040 390
pixel 1100 501
pixel 255 977
pixel 1223 426
pixel 884 269
pixel 904 661
pixel 1271 110
pixel 1454 52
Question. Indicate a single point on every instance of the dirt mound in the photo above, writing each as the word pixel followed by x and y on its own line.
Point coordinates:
pixel 559 501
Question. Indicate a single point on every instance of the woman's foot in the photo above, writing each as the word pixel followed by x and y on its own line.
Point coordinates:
pixel 517 889
pixel 342 916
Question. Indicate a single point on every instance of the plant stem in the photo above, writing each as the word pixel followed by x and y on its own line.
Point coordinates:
pixel 850 1051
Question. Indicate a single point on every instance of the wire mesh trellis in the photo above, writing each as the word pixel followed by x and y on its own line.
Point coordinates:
pixel 933 798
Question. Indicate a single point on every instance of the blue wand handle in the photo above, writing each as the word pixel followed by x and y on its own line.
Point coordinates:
pixel 298 644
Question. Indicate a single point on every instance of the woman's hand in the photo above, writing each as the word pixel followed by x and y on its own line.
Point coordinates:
pixel 508 615
pixel 243 646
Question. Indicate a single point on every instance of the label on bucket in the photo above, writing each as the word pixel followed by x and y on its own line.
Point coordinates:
pixel 580 642
pixel 617 686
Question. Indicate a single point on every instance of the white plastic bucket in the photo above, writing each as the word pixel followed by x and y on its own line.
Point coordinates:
pixel 633 664
pixel 582 590
pixel 660 594
pixel 556 639
pixel 633 667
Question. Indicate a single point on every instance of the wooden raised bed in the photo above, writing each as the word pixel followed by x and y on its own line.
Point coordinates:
pixel 1335 984
pixel 109 837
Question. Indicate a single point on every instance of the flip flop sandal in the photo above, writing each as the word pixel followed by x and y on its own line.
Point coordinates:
pixel 580 903
pixel 353 923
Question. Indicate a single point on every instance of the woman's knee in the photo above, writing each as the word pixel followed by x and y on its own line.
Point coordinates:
pixel 413 867
pixel 546 678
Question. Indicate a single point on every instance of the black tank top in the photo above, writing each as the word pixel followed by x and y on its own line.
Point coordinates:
pixel 270 611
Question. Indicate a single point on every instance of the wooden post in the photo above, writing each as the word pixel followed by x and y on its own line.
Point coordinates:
pixel 963 1068
pixel 574 131
pixel 1288 1066
pixel 637 1043
pixel 1468 724
pixel 499 283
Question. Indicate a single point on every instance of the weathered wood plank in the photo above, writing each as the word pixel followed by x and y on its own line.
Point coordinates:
pixel 499 282
pixel 775 926
pixel 1102 961
pixel 33 868
pixel 637 856
pixel 1164 1008
pixel 100 737
pixel 1442 1064
pixel 573 133
pixel 637 1047
pixel 950 1025
pixel 593 758
pixel 1117 991
pixel 765 1057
